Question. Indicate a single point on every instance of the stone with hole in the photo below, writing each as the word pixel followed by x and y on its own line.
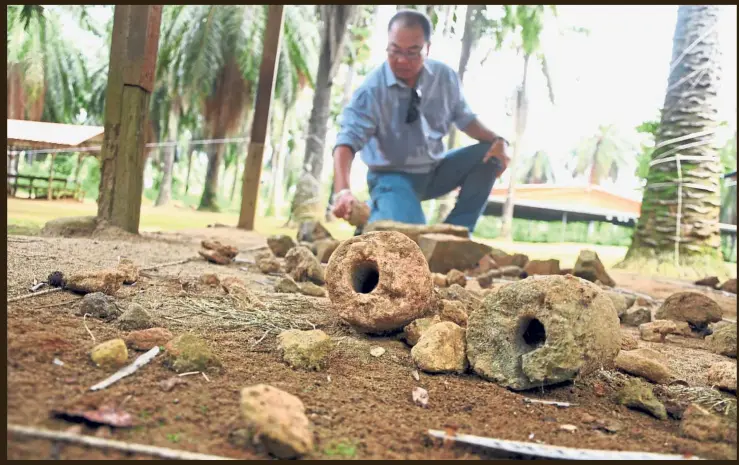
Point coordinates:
pixel 445 252
pixel 280 244
pixel 302 265
pixel 589 266
pixel 305 349
pixel 441 349
pixel 723 340
pixel 379 282
pixel 692 307
pixel 542 330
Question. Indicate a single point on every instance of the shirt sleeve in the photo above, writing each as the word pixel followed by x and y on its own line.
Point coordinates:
pixel 358 121
pixel 462 114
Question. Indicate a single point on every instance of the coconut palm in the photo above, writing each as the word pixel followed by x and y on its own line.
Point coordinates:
pixel 603 154
pixel 537 169
pixel 677 231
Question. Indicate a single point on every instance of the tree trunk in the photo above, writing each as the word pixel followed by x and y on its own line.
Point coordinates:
pixel 209 200
pixel 677 232
pixel 594 162
pixel 506 228
pixel 336 19
pixel 165 187
pixel 278 192
pixel 190 151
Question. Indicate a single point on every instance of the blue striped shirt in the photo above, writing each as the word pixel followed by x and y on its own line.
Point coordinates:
pixel 374 121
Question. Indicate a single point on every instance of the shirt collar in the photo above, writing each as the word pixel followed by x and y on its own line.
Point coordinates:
pixel 392 80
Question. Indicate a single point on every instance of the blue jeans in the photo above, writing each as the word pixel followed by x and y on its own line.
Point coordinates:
pixel 397 196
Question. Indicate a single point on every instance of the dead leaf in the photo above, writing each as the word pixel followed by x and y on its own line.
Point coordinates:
pixel 169 384
pixel 105 415
pixel 420 397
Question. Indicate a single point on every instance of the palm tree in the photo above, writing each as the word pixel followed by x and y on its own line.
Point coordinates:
pixel 537 169
pixel 677 232
pixel 603 154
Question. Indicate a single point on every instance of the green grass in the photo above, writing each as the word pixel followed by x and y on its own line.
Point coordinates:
pixel 345 449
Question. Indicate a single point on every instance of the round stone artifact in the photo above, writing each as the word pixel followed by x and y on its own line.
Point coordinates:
pixel 542 330
pixel 379 282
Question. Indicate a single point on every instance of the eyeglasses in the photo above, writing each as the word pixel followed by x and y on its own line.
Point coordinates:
pixel 414 107
pixel 412 55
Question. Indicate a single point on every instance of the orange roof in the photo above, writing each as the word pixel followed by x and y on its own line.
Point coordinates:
pixel 590 198
pixel 38 134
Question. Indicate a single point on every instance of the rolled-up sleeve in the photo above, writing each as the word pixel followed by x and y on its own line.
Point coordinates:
pixel 462 114
pixel 358 121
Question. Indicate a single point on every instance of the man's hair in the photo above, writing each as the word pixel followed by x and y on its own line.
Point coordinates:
pixel 412 18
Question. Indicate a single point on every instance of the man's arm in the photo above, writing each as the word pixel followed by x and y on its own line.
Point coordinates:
pixel 479 131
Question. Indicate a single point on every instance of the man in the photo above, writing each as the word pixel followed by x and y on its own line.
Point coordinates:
pixel 397 118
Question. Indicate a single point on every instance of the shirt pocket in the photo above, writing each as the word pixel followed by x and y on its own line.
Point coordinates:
pixel 436 113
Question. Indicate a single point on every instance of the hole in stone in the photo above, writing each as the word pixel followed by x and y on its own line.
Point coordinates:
pixel 365 277
pixel 534 334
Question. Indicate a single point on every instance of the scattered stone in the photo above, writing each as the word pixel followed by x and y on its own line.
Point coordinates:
pixel 377 351
pixel 268 265
pixel 305 349
pixel 302 265
pixel 312 290
pixel 325 248
pixel 441 349
pixel 135 317
pixel 415 375
pixel 619 302
pixel 280 244
pixel 210 279
pixel 414 231
pixel 692 307
pixel 420 397
pixel 236 288
pixel 312 231
pixel 458 293
pixel 511 271
pixel 587 418
pixel 638 395
pixel 87 282
pixel 657 330
pixel 486 263
pixel 456 277
pixel 729 286
pixel 589 266
pixel 277 419
pixel 543 330
pixel 287 285
pixel 225 250
pixel 504 259
pixel 110 354
pixel 486 280
pixel 379 282
pixel 636 316
pixel 414 330
pixel 453 311
pixel 359 213
pixel 646 363
pixel 711 281
pixel 214 257
pixel 723 376
pixel 147 339
pixel 628 342
pixel 723 340
pixel 439 280
pixel 170 383
pixel 70 226
pixel 445 252
pixel 100 306
pixel 542 267
pixel 702 425
pixel 568 428
pixel 609 426
pixel 129 270
pixel 188 352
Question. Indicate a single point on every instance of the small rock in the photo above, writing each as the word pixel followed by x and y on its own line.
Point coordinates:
pixel 619 302
pixel 135 317
pixel 723 376
pixel 504 259
pixel 287 285
pixel 268 265
pixel 227 251
pixel 729 286
pixel 415 375
pixel 454 312
pixel 589 266
pixel 129 270
pixel 486 264
pixel 628 342
pixel 636 316
pixel 568 428
pixel 312 231
pixel 511 271
pixel 325 248
pixel 638 395
pixel 702 425
pixel 723 340
pixel 420 397
pixel 189 352
pixel 105 281
pixel 441 349
pixel 458 293
pixel 445 252
pixel 456 277
pixel 312 290
pixel 214 256
pixel 711 281
pixel 377 351
pixel 646 363
pixel 236 288
pixel 486 279
pixel 302 265
pixel 210 279
pixel 169 384
pixel 657 330
pixel 414 231
pixel 415 329
pixel 280 244
pixel 305 349
pixel 110 354
pixel 542 267
pixel 611 427
pixel 359 213
pixel 692 307
pixel 587 418
pixel 278 420
pixel 100 306
pixel 439 279
pixel 147 339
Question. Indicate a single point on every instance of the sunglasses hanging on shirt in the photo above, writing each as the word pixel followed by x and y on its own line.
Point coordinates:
pixel 414 107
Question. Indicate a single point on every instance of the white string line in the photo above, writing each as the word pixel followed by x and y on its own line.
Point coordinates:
pixel 96 148
pixel 659 161
pixel 692 135
pixel 678 216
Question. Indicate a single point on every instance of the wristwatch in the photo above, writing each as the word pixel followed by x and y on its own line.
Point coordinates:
pixel 497 138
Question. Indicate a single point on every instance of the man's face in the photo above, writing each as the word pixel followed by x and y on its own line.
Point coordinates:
pixel 406 51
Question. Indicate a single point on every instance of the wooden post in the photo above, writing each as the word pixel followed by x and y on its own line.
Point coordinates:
pixel 133 56
pixel 51 177
pixel 262 107
pixel 564 226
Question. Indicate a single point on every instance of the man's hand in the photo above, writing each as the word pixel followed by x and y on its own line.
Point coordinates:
pixel 498 150
pixel 343 202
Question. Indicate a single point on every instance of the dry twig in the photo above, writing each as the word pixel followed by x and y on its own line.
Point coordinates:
pixel 34 294
pixel 130 369
pixel 179 262
pixel 88 329
pixel 59 303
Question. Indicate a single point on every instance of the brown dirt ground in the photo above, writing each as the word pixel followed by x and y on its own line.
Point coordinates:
pixel 360 406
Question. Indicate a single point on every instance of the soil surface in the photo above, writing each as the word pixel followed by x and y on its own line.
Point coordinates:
pixel 360 406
